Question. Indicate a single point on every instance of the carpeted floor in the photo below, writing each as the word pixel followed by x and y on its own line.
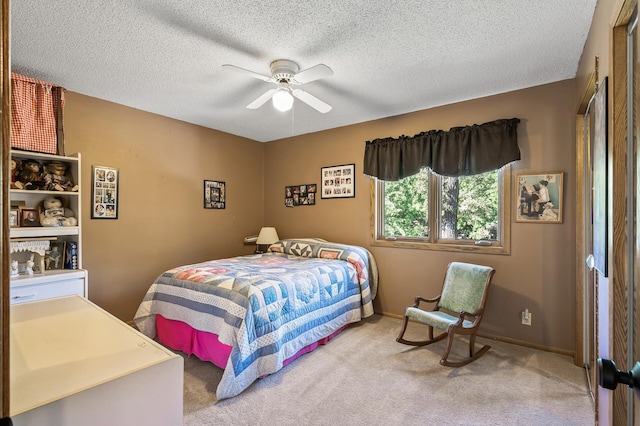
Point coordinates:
pixel 364 377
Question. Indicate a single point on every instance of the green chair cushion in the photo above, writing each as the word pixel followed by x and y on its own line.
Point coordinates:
pixel 436 319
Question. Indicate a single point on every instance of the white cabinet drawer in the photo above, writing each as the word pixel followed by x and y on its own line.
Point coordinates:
pixel 29 293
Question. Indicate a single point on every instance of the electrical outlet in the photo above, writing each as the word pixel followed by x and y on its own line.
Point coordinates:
pixel 526 317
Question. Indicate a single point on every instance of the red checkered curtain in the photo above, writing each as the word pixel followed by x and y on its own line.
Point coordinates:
pixel 36 115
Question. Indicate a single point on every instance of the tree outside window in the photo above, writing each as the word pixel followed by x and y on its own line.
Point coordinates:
pixel 468 213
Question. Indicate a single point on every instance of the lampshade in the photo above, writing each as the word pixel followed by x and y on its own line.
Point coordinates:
pixel 282 99
pixel 268 235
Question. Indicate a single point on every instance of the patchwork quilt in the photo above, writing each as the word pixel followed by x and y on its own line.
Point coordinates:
pixel 268 306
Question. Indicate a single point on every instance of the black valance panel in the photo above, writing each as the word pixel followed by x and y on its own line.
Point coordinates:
pixel 461 151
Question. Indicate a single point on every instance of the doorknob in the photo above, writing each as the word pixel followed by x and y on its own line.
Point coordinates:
pixel 609 376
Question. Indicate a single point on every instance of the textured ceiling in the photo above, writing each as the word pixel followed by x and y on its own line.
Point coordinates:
pixel 388 57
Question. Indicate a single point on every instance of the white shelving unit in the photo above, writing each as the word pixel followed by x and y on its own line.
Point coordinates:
pixel 58 282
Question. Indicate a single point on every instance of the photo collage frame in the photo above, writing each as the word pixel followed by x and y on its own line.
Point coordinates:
pixel 300 195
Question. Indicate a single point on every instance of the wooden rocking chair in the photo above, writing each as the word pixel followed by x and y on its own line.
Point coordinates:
pixel 458 310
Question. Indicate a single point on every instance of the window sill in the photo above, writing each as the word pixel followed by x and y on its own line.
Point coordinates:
pixel 453 246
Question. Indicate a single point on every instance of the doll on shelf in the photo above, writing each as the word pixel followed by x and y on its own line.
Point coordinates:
pixel 15 168
pixel 56 177
pixel 29 176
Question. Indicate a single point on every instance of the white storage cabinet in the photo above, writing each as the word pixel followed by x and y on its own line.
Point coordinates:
pixel 57 282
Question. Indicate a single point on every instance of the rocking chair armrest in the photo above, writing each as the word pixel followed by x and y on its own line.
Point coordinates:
pixel 475 315
pixel 424 299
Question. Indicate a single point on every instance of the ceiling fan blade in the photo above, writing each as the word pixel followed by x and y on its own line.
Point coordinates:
pixel 314 73
pixel 247 72
pixel 311 100
pixel 262 99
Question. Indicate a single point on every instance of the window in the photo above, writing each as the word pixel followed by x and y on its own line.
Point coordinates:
pixel 427 211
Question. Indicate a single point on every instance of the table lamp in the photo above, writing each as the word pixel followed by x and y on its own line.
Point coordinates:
pixel 267 236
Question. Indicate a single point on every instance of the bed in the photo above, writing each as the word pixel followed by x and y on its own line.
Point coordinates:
pixel 252 315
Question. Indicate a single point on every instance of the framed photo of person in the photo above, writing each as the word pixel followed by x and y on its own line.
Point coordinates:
pixel 539 197
pixel 214 194
pixel 54 257
pixel 105 182
pixel 14 218
pixel 29 217
pixel 338 181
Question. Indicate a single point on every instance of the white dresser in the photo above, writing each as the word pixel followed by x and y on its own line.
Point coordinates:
pixel 73 363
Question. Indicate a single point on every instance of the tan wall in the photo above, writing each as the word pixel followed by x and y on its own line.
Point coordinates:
pixel 597 44
pixel 538 274
pixel 161 220
pixel 163 163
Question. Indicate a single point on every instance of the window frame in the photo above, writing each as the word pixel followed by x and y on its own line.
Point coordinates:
pixel 501 246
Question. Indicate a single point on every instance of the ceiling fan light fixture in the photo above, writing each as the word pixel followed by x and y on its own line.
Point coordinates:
pixel 282 99
pixel 285 74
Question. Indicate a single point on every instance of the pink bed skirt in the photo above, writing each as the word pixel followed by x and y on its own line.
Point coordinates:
pixel 206 346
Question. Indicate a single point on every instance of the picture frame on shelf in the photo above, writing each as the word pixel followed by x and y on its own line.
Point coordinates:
pixel 105 187
pixel 539 197
pixel 14 218
pixel 18 204
pixel 338 181
pixel 54 258
pixel 29 217
pixel 214 194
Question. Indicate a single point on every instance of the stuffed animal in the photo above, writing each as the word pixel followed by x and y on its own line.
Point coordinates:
pixel 56 177
pixel 30 175
pixel 53 214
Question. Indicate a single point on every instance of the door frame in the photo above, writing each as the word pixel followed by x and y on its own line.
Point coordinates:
pixel 5 134
pixel 619 226
pixel 619 410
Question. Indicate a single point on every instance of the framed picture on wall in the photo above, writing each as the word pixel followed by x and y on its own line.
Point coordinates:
pixel 338 181
pixel 598 133
pixel 105 182
pixel 300 195
pixel 539 197
pixel 214 194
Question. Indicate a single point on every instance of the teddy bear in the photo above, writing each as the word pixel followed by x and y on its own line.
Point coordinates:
pixel 56 178
pixel 29 176
pixel 53 214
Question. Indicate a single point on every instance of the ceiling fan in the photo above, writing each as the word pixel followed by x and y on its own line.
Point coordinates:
pixel 285 75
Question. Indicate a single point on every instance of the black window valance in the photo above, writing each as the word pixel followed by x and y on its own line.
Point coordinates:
pixel 461 151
